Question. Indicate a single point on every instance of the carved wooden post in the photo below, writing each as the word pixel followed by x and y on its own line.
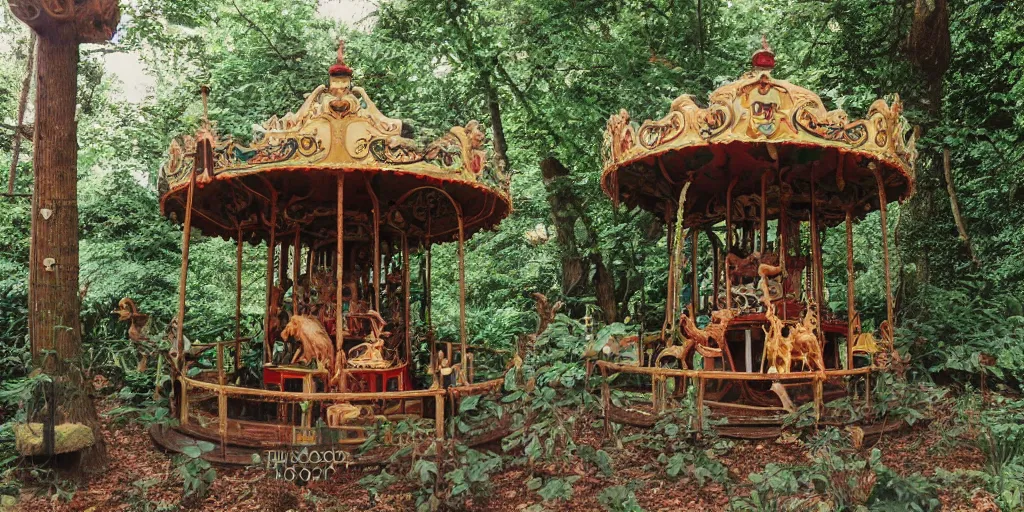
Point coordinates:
pixel 222 401
pixel 54 303
pixel 268 344
pixel 700 404
pixel 728 242
pixel 439 414
pixel 694 291
pixel 406 282
pixel 670 297
pixel 764 212
pixel 376 245
pixel 883 210
pixel 850 307
pixel 463 335
pixel 340 275
pixel 296 258
pixel 238 301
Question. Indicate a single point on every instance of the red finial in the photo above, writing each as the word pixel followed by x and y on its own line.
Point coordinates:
pixel 340 68
pixel 764 58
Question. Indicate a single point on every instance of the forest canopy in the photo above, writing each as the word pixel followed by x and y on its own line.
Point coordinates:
pixel 543 77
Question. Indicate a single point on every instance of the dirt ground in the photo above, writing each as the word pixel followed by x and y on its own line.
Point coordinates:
pixel 133 458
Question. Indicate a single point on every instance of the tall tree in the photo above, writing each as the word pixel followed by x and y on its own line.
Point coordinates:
pixel 928 49
pixel 54 303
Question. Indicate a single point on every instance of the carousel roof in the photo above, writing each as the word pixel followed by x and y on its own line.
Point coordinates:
pixel 759 126
pixel 338 129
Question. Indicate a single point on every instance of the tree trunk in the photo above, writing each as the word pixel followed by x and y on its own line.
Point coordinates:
pixel 928 50
pixel 562 200
pixel 497 126
pixel 604 289
pixel 54 324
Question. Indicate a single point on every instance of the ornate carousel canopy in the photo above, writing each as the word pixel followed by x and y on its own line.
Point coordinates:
pixel 294 162
pixel 759 126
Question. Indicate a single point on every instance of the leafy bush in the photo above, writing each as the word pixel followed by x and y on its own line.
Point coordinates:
pixel 837 479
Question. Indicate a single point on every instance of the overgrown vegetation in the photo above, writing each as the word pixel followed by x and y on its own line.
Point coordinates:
pixel 557 70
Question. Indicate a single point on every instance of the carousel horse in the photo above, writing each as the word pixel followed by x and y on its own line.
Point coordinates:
pixel 701 339
pixel 314 343
pixel 801 343
pixel 138 329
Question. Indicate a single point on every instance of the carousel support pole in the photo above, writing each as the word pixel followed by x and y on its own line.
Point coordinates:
pixel 204 163
pixel 819 383
pixel 427 286
pixel 222 401
pixel 850 308
pixel 376 246
pixel 867 392
pixel 179 342
pixel 717 279
pixel 700 404
pixel 221 377
pixel 728 242
pixel 671 285
pixel 406 283
pixel 268 346
pixel 462 293
pixel 818 267
pixel 339 319
pixel 439 415
pixel 183 413
pixel 282 266
pixel 427 299
pixel 296 258
pixel 694 291
pixel 238 301
pixel 782 235
pixel 883 210
pixel 656 394
pixel 764 213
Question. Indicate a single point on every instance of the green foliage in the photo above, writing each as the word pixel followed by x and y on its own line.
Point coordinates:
pixel 684 457
pixel 196 473
pixel 619 498
pixel 557 70
pixel 836 479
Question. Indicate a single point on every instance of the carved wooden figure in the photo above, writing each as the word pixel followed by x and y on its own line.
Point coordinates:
pixel 700 339
pixel 138 329
pixel 315 344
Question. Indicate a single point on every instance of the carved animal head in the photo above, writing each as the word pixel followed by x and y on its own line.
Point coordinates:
pixel 293 328
pixel 125 309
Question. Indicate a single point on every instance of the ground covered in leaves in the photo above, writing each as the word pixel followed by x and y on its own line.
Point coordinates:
pixel 141 477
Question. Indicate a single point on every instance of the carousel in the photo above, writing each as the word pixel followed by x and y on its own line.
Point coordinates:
pixel 751 182
pixel 347 202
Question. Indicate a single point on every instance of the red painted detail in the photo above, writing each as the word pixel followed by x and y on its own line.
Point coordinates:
pixel 340 70
pixel 764 59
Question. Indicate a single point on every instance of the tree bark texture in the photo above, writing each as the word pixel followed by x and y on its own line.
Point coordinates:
pixel 928 50
pixel 562 200
pixel 54 302
pixel 565 212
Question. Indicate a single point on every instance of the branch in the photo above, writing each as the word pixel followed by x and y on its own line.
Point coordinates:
pixel 26 84
pixel 25 130
pixel 102 50
pixel 954 204
pixel 252 24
